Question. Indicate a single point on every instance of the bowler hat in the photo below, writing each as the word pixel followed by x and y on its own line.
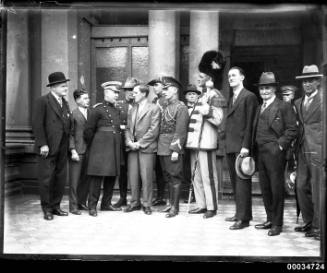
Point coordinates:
pixel 192 88
pixel 267 78
pixel 56 77
pixel 309 71
pixel 244 166
pixel 130 83
pixel 113 85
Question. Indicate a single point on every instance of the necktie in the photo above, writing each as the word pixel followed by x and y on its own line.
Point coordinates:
pixel 60 101
pixel 135 119
pixel 234 99
pixel 307 103
pixel 263 107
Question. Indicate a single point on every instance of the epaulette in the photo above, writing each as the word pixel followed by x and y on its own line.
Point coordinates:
pixel 97 104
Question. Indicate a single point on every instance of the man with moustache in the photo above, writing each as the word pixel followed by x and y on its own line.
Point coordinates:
pixel 239 121
pixel 274 130
pixel 103 136
pixel 309 151
pixel 52 126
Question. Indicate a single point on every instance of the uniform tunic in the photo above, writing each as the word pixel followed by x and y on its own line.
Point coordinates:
pixel 103 135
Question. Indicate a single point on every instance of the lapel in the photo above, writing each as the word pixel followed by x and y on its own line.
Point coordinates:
pixel 141 114
pixel 232 107
pixel 273 111
pixel 256 117
pixel 315 104
pixel 80 114
pixel 55 105
pixel 133 116
pixel 299 106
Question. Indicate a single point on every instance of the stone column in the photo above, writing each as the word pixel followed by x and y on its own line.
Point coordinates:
pixel 17 78
pixel 59 47
pixel 204 36
pixel 163 43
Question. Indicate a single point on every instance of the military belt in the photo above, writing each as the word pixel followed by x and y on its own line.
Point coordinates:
pixel 107 129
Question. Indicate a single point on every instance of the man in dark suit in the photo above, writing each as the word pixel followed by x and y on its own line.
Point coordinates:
pixel 52 126
pixel 79 186
pixel 103 136
pixel 142 142
pixel 239 120
pixel 310 161
pixel 274 130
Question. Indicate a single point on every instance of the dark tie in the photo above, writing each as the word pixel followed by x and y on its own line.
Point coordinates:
pixel 135 119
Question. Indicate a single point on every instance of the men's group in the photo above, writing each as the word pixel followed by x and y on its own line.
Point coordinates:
pixel 139 140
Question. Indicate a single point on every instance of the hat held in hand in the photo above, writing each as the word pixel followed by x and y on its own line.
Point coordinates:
pixel 244 166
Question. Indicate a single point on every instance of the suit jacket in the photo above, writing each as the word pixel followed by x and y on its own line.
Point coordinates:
pixel 50 122
pixel 146 126
pixel 76 140
pixel 239 121
pixel 282 121
pixel 310 131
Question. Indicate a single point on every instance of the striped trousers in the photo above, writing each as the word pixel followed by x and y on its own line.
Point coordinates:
pixel 205 181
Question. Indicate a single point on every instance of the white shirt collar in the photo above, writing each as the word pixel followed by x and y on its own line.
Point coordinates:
pixel 237 92
pixel 141 104
pixel 56 96
pixel 83 111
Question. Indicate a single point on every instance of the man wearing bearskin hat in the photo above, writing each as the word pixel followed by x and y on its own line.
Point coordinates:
pixel 202 137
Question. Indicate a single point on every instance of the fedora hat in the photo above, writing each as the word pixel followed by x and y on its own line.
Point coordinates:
pixel 192 88
pixel 130 83
pixel 244 167
pixel 267 78
pixel 56 78
pixel 309 71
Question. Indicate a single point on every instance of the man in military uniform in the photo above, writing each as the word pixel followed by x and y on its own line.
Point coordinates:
pixel 172 137
pixel 161 101
pixel 103 135
pixel 124 106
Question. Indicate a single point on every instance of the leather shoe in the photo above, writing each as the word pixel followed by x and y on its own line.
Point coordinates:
pixel 48 215
pixel 171 214
pixel 147 210
pixel 231 219
pixel 312 233
pixel 130 208
pixel 265 225
pixel 209 214
pixel 166 209
pixel 93 212
pixel 198 211
pixel 159 202
pixel 59 212
pixel 110 208
pixel 75 211
pixel 275 230
pixel 304 228
pixel 239 225
pixel 121 202
pixel 82 207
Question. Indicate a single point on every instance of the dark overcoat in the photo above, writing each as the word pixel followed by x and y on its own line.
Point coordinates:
pixel 103 136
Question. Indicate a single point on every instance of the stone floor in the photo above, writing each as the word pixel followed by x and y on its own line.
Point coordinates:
pixel 137 234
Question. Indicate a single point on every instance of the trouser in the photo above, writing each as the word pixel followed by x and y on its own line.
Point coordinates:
pixel 95 190
pixel 271 167
pixel 53 177
pixel 78 182
pixel 160 182
pixel 141 165
pixel 123 178
pixel 308 181
pixel 173 175
pixel 241 189
pixel 205 179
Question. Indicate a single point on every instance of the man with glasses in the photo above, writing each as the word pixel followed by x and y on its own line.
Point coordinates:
pixel 309 151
